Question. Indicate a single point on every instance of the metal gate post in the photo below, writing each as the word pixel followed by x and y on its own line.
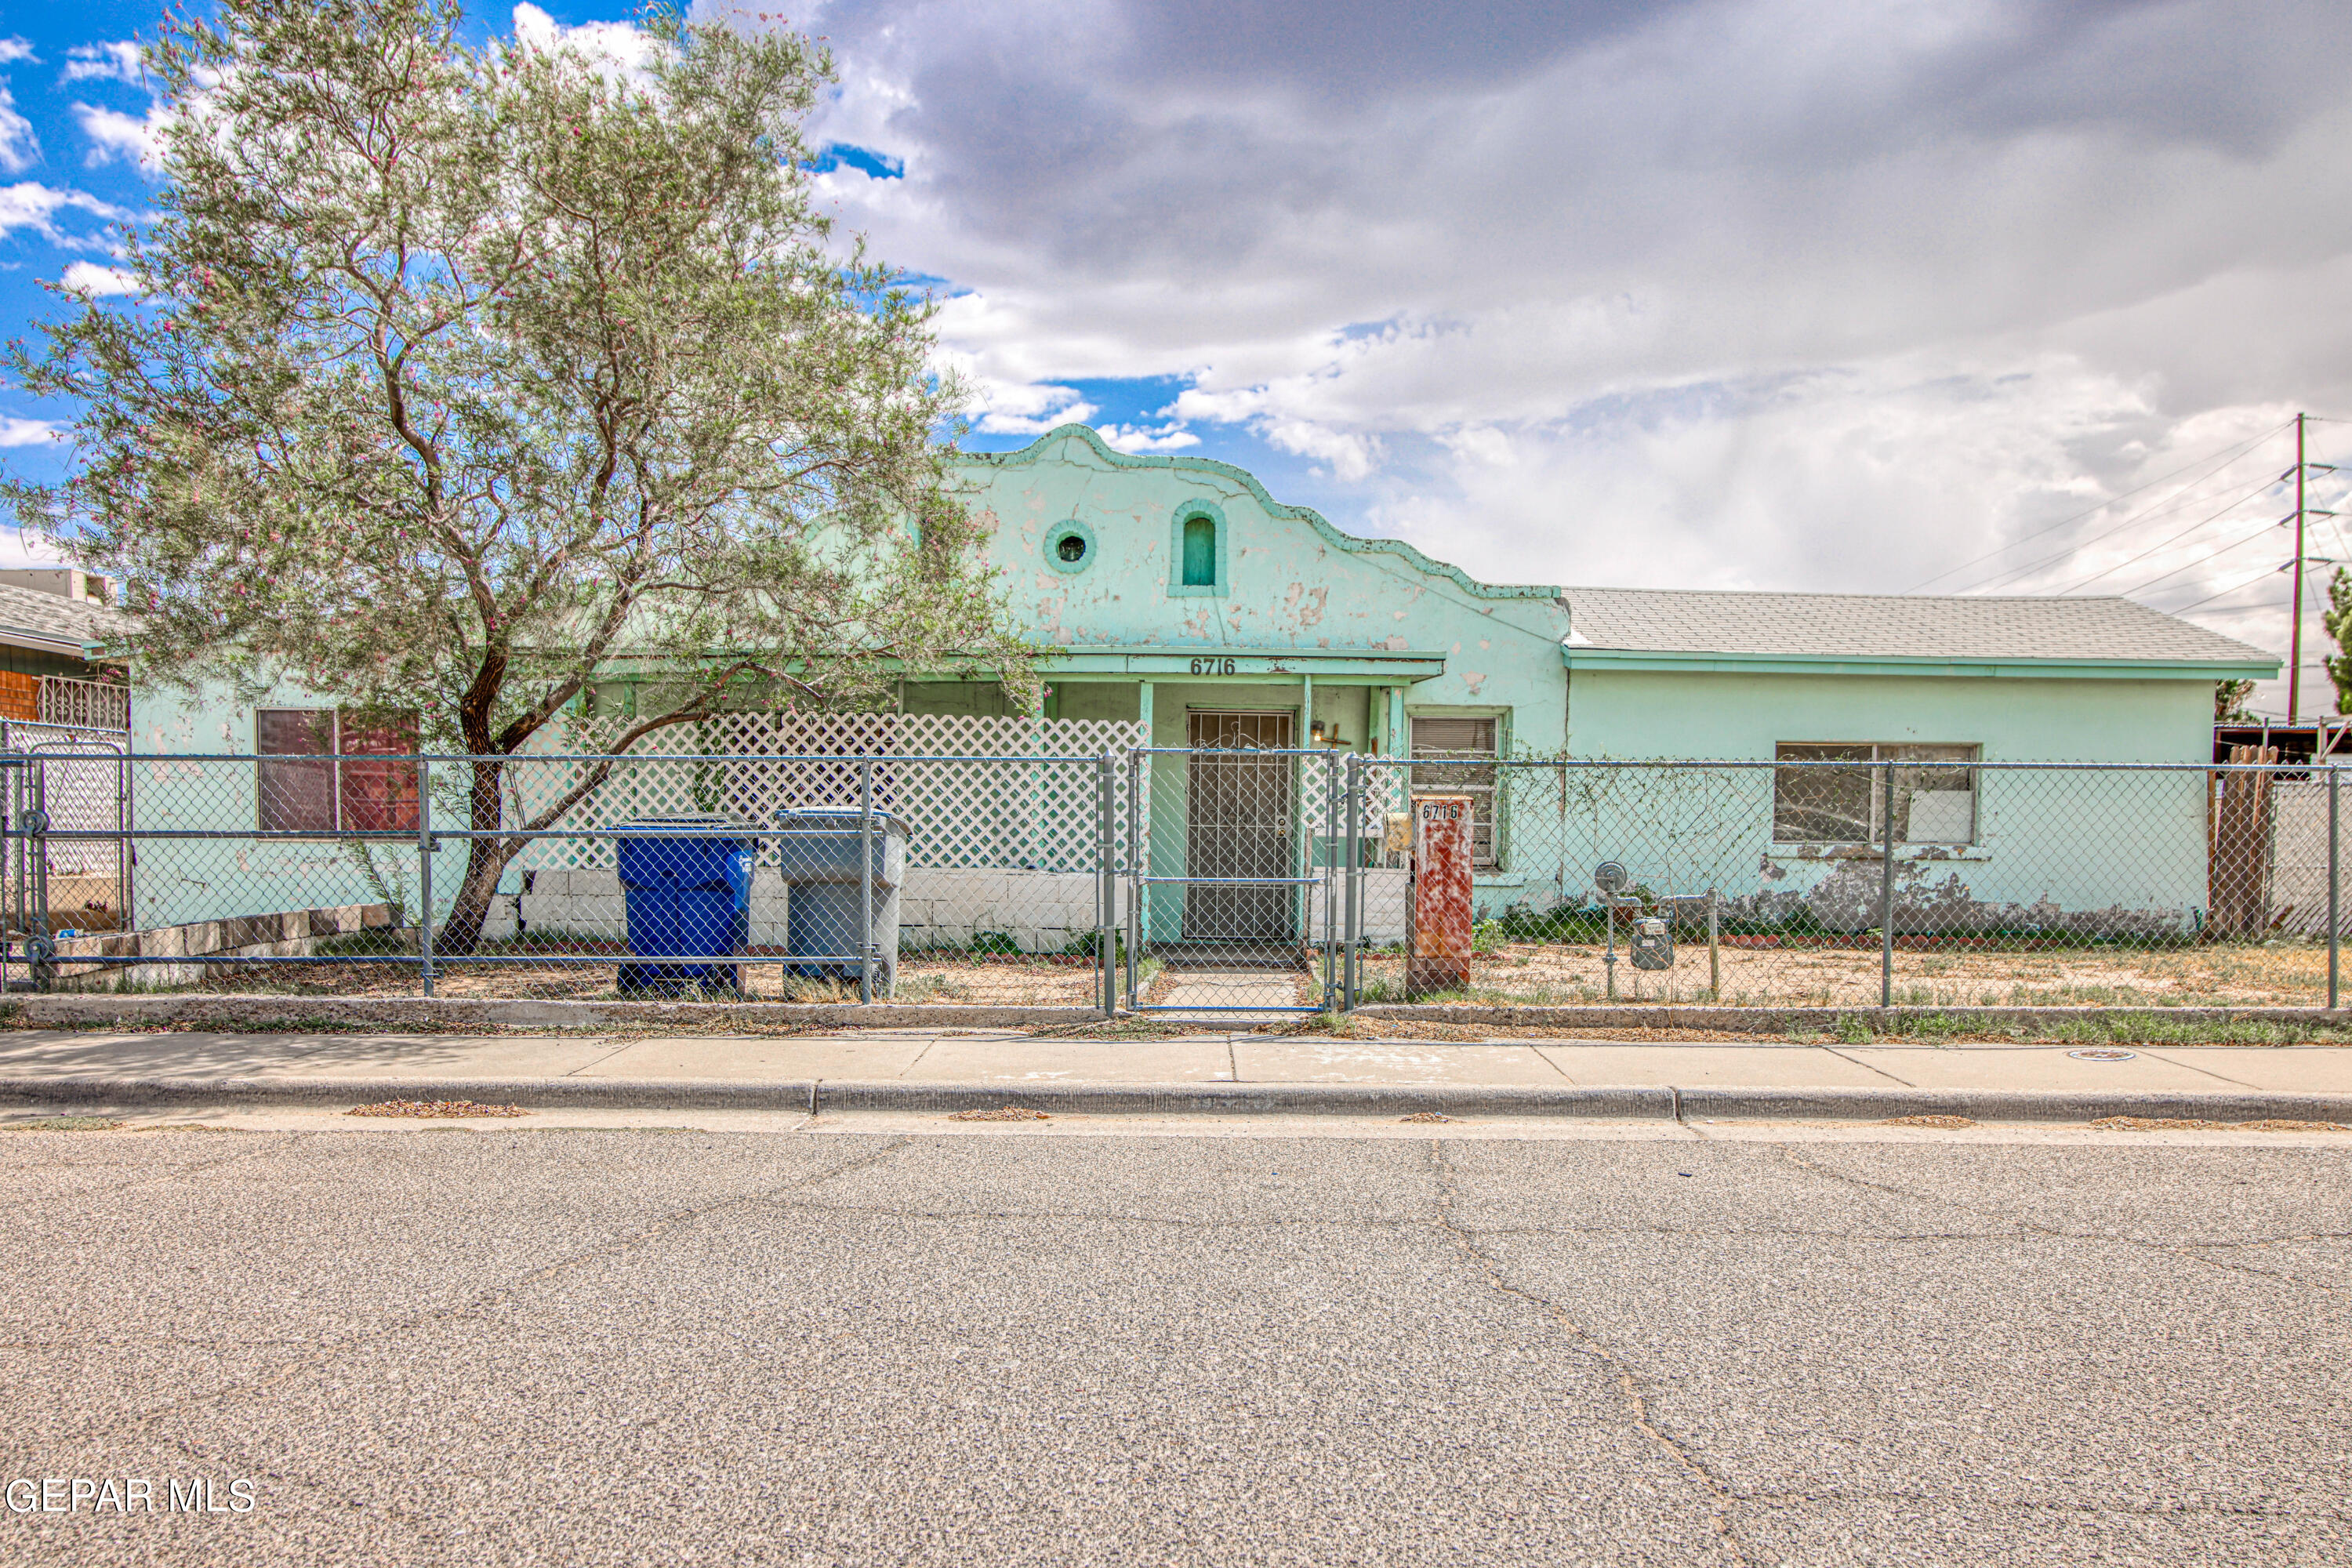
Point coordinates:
pixel 12 877
pixel 40 948
pixel 2335 927
pixel 1352 896
pixel 1332 788
pixel 865 880
pixel 126 848
pixel 1106 885
pixel 1886 899
pixel 1136 861
pixel 425 849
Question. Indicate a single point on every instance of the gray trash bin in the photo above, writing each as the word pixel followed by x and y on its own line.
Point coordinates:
pixel 817 852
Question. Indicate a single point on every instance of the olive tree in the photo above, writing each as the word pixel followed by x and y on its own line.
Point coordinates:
pixel 460 378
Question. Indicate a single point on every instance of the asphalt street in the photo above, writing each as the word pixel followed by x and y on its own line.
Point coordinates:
pixel 608 1345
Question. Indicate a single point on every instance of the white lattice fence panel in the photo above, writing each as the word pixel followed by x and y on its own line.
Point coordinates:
pixel 970 787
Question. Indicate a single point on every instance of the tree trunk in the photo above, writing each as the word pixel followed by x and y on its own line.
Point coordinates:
pixel 486 862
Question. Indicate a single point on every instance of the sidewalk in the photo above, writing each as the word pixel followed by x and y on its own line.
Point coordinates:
pixel 922 1069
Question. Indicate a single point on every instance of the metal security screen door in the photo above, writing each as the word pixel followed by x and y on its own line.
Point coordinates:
pixel 1237 824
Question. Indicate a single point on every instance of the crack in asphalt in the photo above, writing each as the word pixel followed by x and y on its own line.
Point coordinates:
pixel 1719 1497
pixel 167 1174
pixel 485 1299
pixel 2196 1252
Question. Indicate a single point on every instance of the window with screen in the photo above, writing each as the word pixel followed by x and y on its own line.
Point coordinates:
pixel 1838 792
pixel 327 772
pixel 1456 756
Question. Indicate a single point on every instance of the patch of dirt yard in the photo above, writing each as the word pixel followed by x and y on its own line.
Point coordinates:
pixel 2290 975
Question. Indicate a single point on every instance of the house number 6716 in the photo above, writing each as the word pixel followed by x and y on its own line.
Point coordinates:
pixel 1214 666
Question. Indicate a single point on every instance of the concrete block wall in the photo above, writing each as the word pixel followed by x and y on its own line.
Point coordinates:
pixel 1042 911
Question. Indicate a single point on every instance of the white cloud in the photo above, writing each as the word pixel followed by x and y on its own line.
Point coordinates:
pixel 1746 293
pixel 1020 408
pixel 27 432
pixel 622 48
pixel 89 277
pixel 26 204
pixel 1142 438
pixel 15 49
pixel 114 135
pixel 19 148
pixel 105 62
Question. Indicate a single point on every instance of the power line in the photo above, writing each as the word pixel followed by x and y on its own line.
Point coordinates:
pixel 2174 539
pixel 2205 560
pixel 2227 457
pixel 2225 593
pixel 2184 496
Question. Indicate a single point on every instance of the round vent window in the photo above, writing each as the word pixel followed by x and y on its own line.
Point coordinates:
pixel 1070 546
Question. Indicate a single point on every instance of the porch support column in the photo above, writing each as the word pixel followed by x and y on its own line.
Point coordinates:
pixel 1399 743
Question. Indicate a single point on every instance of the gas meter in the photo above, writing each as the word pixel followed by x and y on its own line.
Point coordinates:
pixel 1652 944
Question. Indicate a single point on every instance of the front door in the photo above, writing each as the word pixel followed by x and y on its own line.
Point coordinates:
pixel 1237 821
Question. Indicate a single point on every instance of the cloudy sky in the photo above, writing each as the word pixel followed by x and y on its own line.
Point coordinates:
pixel 1955 295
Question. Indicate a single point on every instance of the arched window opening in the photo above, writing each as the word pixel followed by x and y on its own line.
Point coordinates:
pixel 1200 552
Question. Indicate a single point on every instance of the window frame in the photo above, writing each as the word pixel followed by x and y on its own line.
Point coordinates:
pixel 1908 765
pixel 1177 587
pixel 1070 528
pixel 1486 798
pixel 396 812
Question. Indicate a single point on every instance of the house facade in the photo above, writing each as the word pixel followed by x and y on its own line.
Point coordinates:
pixel 1193 612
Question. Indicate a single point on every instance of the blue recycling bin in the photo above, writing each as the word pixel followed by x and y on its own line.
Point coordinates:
pixel 685 883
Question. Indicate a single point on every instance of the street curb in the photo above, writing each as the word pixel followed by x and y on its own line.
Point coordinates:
pixel 1575 1101
pixel 1823 1020
pixel 231 1013
pixel 2010 1104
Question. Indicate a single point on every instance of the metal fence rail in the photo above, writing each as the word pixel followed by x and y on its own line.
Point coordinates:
pixel 1239 874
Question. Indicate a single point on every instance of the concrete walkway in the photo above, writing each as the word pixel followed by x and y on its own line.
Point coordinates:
pixel 990 1059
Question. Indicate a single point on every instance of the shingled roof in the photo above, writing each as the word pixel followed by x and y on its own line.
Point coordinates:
pixel 1890 626
pixel 53 623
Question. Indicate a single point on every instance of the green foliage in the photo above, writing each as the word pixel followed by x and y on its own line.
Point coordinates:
pixel 2338 619
pixel 2230 696
pixel 455 374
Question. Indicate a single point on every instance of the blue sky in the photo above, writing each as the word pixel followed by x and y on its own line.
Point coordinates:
pixel 1778 294
pixel 76 170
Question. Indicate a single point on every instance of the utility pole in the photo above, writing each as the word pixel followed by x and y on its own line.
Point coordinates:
pixel 2294 639
pixel 2303 511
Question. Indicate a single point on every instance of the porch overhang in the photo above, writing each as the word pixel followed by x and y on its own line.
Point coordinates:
pixel 1382 667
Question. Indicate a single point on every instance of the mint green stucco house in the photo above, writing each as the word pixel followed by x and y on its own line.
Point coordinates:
pixel 1189 601
pixel 1192 610
pixel 1274 611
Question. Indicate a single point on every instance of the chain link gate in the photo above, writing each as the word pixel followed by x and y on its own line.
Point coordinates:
pixel 1232 856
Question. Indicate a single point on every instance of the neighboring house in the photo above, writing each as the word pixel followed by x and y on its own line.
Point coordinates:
pixel 60 702
pixel 1193 611
pixel 51 618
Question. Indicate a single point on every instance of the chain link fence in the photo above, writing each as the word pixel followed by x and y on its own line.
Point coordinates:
pixel 1239 874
